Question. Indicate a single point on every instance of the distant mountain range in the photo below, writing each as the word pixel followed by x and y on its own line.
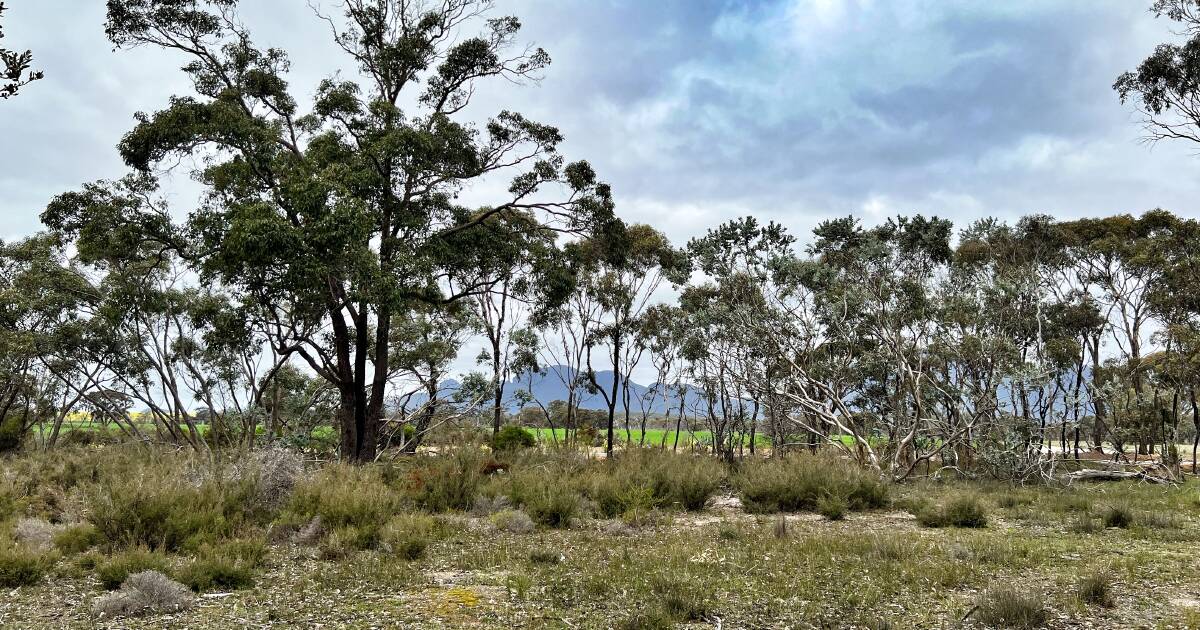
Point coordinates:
pixel 551 385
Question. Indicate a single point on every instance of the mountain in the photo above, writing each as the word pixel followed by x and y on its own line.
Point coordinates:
pixel 552 384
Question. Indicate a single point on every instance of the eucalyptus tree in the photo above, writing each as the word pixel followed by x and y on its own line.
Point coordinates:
pixel 619 273
pixel 330 224
pixel 15 72
pixel 424 344
pixel 1165 87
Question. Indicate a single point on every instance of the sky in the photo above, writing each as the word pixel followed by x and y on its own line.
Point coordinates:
pixel 700 111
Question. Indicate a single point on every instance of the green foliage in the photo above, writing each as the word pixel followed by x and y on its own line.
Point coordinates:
pixel 512 438
pixel 799 482
pixel 407 536
pixel 545 556
pixel 77 538
pixel 113 571
pixel 1009 607
pixel 224 566
pixel 11 433
pixel 964 510
pixel 161 509
pixel 353 500
pixel 832 507
pixel 448 482
pixel 21 567
pixel 638 480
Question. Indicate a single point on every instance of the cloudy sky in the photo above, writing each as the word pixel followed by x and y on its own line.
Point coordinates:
pixel 702 110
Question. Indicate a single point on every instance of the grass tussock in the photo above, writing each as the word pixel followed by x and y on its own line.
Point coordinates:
pixel 966 511
pixel 1096 588
pixel 800 482
pixel 1009 607
pixel 113 571
pixel 20 566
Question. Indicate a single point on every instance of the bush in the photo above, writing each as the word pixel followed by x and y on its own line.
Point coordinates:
pixel 798 482
pixel 1095 588
pixel 160 509
pixel 145 593
pixel 639 480
pixel 1117 515
pixel 77 538
pixel 1008 607
pixel 552 505
pixel 11 433
pixel 513 438
pixel 344 498
pixel 512 521
pixel 832 507
pixel 961 511
pixel 447 482
pixel 21 567
pixel 35 533
pixel 217 572
pixel 113 572
pixel 408 535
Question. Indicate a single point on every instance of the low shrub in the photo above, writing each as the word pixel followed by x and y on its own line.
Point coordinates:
pixel 512 438
pixel 1117 515
pixel 798 482
pixel 1095 588
pixel 352 500
pixel 447 482
pixel 1008 607
pixel 681 600
pixel 832 507
pixel 35 533
pixel 21 567
pixel 961 511
pixel 79 538
pixel 217 572
pixel 552 505
pixel 512 521
pixel 161 509
pixel 11 433
pixel 639 480
pixel 113 571
pixel 544 556
pixel 149 592
pixel 409 535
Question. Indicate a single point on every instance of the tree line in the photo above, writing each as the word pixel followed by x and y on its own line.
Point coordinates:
pixel 331 274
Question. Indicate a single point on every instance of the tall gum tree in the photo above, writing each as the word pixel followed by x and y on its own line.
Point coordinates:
pixel 330 223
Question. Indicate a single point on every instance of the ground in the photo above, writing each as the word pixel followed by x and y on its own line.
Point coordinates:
pixel 723 568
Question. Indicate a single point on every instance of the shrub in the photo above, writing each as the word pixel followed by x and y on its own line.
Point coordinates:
pixel 35 533
pixel 681 600
pixel 144 593
pixel 161 509
pixel 512 521
pixel 113 572
pixel 512 438
pixel 21 567
pixel 1117 515
pixel 832 507
pixel 273 473
pixel 1010 608
pixel 77 538
pixel 448 482
pixel 552 505
pixel 408 535
pixel 544 556
pixel 960 511
pixel 639 480
pixel 11 433
pixel 797 483
pixel 217 572
pixel 344 497
pixel 1095 588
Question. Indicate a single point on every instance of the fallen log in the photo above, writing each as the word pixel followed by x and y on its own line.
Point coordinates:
pixel 1113 475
